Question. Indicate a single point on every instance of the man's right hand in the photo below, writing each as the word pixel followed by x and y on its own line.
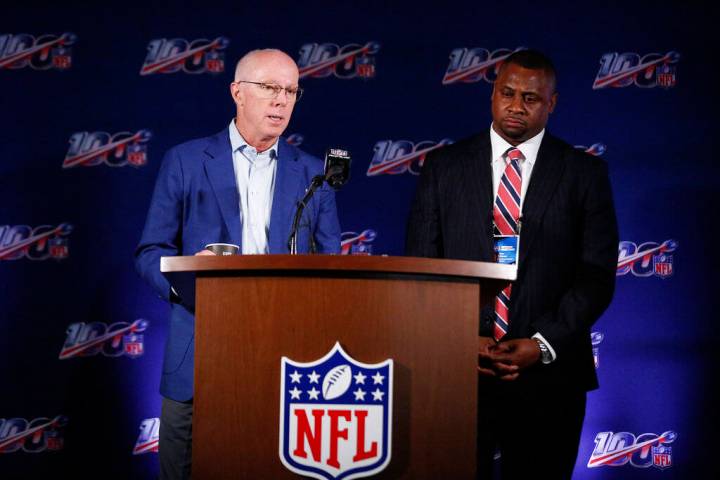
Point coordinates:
pixel 204 252
pixel 485 356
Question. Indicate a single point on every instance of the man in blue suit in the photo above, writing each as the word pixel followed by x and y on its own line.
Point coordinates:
pixel 239 186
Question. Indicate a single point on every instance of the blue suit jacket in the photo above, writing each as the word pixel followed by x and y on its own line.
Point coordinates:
pixel 196 202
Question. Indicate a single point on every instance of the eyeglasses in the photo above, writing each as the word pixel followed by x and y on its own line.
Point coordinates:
pixel 271 90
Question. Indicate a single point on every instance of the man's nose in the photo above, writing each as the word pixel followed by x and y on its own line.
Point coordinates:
pixel 517 104
pixel 282 97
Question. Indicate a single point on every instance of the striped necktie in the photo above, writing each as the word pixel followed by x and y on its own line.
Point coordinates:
pixel 506 216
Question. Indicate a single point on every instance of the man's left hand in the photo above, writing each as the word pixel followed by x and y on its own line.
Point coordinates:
pixel 520 353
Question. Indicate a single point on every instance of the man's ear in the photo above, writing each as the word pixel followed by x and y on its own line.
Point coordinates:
pixel 236 94
pixel 553 102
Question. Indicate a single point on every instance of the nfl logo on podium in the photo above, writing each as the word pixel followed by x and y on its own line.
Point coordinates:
pixel 335 416
pixel 662 456
pixel 136 154
pixel 133 345
pixel 666 76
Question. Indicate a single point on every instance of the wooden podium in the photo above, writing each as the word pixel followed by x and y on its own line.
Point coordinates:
pixel 253 310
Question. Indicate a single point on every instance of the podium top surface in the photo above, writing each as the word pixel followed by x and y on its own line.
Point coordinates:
pixel 206 264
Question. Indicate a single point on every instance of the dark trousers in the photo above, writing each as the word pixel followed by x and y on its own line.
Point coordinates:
pixel 175 449
pixel 536 431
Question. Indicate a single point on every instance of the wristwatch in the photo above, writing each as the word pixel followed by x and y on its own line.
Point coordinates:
pixel 545 355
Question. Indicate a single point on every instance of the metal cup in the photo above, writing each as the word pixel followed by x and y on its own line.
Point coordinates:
pixel 223 248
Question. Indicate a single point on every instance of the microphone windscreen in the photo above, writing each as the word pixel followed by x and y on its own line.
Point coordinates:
pixel 337 167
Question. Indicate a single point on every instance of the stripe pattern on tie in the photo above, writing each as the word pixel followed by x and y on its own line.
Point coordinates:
pixel 506 215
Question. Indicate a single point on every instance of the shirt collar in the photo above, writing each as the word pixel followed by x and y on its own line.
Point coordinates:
pixel 529 148
pixel 237 142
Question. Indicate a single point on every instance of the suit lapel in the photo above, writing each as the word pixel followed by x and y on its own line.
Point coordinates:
pixel 546 174
pixel 478 182
pixel 288 189
pixel 221 175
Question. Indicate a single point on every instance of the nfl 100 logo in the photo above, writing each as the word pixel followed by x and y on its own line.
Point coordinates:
pixel 619 70
pixel 120 338
pixel 89 149
pixel 296 139
pixel 394 157
pixel 32 436
pixel 178 54
pixel 149 438
pixel 319 60
pixel 43 52
pixel 596 149
pixel 34 243
pixel 646 259
pixel 354 243
pixel 617 449
pixel 469 65
pixel 335 416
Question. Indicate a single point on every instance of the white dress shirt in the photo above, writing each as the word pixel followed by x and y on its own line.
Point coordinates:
pixel 255 176
pixel 529 149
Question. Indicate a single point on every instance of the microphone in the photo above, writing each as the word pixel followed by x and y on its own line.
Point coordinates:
pixel 337 167
pixel 337 173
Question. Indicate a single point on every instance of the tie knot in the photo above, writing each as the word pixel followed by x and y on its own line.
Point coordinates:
pixel 514 154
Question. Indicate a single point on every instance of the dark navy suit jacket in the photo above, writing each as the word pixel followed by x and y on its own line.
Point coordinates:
pixel 568 244
pixel 196 202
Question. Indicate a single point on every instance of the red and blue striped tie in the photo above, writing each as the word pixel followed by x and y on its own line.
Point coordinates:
pixel 506 215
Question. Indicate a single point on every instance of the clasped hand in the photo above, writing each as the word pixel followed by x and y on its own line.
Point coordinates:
pixel 507 359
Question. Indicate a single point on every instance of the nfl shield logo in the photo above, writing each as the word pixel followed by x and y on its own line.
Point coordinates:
pixel 365 67
pixel 214 61
pixel 136 154
pixel 133 345
pixel 662 456
pixel 54 440
pixel 61 58
pixel 666 76
pixel 361 249
pixel 335 416
pixel 663 264
pixel 58 248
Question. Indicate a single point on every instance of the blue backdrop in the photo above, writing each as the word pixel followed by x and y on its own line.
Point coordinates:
pixel 92 96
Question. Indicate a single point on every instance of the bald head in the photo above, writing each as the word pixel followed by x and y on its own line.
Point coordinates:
pixel 250 62
pixel 261 92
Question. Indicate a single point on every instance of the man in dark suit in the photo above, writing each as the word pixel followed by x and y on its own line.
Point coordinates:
pixel 535 356
pixel 240 186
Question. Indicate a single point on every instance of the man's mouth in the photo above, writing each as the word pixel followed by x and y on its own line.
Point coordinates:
pixel 514 122
pixel 276 118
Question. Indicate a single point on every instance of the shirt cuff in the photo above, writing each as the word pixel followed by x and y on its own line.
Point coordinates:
pixel 542 339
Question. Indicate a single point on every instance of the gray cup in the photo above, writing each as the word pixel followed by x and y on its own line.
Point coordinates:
pixel 223 248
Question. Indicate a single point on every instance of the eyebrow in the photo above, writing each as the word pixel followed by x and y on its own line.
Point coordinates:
pixel 273 82
pixel 522 92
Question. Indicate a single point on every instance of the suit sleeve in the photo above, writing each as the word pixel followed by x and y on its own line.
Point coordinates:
pixel 162 235
pixel 423 235
pixel 593 284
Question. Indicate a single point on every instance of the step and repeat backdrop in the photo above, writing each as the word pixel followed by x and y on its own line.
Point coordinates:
pixel 92 96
